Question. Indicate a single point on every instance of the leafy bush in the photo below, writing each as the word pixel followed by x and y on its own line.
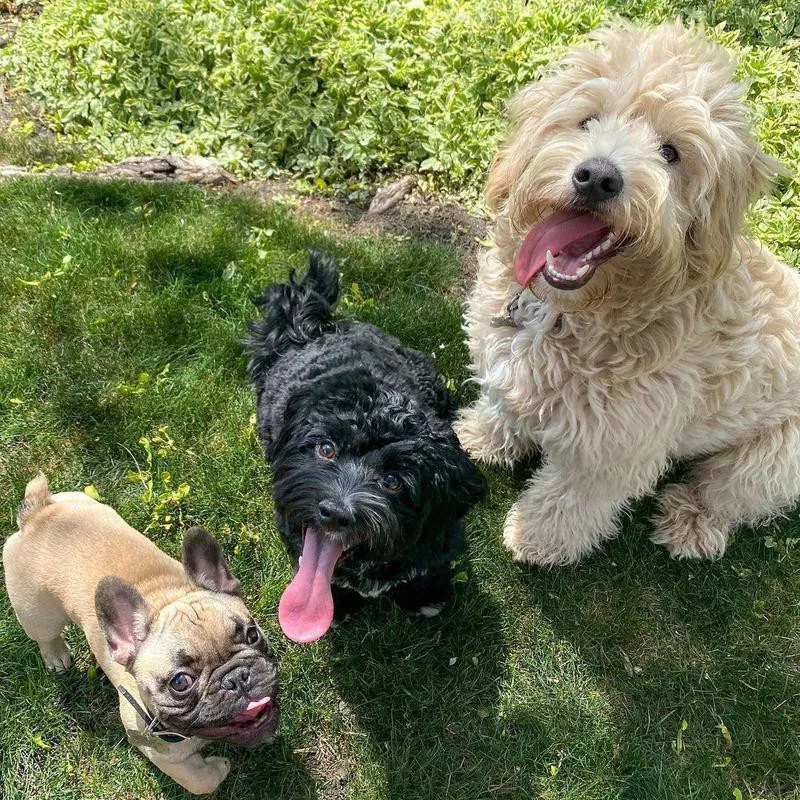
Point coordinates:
pixel 332 89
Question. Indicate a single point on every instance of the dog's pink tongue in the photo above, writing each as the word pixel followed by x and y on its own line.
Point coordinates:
pixel 571 234
pixel 305 611
pixel 253 709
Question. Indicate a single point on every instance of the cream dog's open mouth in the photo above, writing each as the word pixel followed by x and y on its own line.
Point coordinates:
pixel 566 248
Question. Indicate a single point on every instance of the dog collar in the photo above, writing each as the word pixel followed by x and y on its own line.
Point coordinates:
pixel 154 727
pixel 508 320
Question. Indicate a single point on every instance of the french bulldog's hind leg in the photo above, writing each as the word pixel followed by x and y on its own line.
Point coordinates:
pixel 41 615
pixel 196 774
pixel 44 620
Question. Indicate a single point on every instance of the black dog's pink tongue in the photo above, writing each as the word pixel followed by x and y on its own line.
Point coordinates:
pixel 306 609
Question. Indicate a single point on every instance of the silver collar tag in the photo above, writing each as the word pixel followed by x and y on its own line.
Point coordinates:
pixel 508 320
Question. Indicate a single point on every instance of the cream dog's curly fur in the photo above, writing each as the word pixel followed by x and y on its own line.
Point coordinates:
pixel 685 343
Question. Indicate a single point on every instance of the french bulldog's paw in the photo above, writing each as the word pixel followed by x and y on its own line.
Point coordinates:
pixel 56 655
pixel 215 770
pixel 432 610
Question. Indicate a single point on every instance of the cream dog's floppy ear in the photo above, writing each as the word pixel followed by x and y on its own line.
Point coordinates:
pixel 498 184
pixel 525 112
pixel 712 235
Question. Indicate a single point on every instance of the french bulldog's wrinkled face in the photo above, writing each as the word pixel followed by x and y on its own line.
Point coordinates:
pixel 205 670
pixel 201 663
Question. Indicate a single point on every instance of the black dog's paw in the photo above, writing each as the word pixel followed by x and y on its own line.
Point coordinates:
pixel 424 596
pixel 430 610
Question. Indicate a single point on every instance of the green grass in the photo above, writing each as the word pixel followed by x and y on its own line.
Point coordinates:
pixel 345 92
pixel 122 307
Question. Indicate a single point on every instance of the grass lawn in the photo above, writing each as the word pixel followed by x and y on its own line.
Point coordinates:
pixel 630 676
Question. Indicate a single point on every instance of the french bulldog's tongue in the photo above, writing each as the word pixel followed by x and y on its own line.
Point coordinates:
pixel 566 236
pixel 306 609
pixel 253 709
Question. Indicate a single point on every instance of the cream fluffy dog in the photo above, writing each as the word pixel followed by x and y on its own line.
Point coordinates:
pixel 651 330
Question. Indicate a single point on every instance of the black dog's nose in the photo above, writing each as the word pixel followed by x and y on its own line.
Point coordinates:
pixel 597 179
pixel 333 513
pixel 240 676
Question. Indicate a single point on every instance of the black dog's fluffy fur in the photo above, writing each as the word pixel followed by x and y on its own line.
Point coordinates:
pixel 397 489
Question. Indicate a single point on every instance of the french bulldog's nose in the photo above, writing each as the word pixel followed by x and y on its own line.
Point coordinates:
pixel 597 179
pixel 333 513
pixel 237 678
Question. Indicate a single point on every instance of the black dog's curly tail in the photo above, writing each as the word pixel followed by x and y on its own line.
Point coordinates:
pixel 294 313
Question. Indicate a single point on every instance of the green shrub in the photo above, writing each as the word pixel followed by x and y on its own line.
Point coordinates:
pixel 331 89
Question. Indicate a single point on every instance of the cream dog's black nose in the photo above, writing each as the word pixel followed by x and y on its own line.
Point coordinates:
pixel 596 180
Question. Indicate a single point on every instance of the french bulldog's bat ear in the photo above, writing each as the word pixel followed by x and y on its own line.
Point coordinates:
pixel 205 564
pixel 122 614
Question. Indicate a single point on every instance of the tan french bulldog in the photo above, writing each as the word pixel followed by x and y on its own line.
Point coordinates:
pixel 177 641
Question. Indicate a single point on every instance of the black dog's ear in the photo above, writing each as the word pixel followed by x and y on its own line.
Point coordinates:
pixel 122 614
pixel 205 564
pixel 457 481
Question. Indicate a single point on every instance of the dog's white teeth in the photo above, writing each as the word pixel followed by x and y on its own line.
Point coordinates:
pixel 583 270
pixel 551 266
pixel 599 249
pixel 267 700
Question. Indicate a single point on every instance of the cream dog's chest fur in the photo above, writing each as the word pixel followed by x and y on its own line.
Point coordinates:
pixel 699 369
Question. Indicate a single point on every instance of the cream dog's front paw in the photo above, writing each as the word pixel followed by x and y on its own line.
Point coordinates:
pixel 530 542
pixel 553 525
pixel 686 528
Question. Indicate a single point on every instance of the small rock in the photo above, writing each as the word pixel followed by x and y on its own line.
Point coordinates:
pixel 387 197
pixel 12 171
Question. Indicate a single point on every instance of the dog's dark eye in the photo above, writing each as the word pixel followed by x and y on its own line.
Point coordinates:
pixel 326 450
pixel 391 481
pixel 252 635
pixel 668 153
pixel 584 123
pixel 181 682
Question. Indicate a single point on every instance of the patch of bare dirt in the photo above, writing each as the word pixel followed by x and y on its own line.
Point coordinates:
pixel 416 216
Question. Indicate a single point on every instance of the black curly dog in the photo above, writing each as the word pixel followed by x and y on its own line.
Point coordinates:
pixel 370 483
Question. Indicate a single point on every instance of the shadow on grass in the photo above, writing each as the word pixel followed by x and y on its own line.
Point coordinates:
pixel 701 642
pixel 425 694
